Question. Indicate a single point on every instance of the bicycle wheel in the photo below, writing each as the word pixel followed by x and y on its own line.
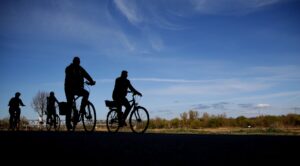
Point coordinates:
pixel 57 123
pixel 89 117
pixel 139 120
pixel 49 123
pixel 112 122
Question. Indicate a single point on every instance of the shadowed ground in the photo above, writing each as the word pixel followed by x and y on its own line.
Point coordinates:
pixel 105 148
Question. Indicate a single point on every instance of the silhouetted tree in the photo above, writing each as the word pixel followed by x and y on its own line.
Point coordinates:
pixel 39 103
pixel 184 119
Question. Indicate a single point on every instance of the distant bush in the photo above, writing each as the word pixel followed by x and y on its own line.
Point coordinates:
pixel 192 120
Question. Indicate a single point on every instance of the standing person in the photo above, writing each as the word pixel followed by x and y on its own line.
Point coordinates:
pixel 74 85
pixel 51 109
pixel 122 84
pixel 14 107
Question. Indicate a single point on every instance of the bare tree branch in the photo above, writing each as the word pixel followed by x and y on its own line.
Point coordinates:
pixel 39 103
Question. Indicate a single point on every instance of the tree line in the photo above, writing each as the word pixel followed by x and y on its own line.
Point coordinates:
pixel 193 120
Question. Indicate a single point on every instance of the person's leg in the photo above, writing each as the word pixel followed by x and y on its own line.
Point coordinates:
pixel 126 103
pixel 69 97
pixel 118 102
pixel 18 113
pixel 85 97
pixel 54 116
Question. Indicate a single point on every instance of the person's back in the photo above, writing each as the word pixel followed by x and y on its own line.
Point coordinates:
pixel 74 77
pixel 51 100
pixel 14 103
pixel 121 86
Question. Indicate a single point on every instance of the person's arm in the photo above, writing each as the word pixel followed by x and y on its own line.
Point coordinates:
pixel 132 89
pixel 56 100
pixel 21 103
pixel 87 76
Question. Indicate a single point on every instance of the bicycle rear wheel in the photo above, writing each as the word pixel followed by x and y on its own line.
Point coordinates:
pixel 89 117
pixel 139 120
pixel 112 121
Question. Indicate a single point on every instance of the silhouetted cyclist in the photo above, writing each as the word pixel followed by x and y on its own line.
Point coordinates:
pixel 14 107
pixel 74 85
pixel 122 84
pixel 51 109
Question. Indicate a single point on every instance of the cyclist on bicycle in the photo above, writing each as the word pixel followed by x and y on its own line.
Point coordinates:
pixel 14 107
pixel 74 85
pixel 122 84
pixel 51 109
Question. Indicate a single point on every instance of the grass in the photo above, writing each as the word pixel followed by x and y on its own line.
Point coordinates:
pixel 220 130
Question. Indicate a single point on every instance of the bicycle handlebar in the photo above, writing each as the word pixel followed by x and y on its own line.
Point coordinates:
pixel 133 94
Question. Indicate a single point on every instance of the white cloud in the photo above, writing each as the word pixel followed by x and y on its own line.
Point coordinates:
pixel 262 106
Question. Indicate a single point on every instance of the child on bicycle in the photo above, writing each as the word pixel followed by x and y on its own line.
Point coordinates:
pixel 14 107
pixel 51 109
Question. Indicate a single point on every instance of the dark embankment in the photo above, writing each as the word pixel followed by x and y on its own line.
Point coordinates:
pixel 37 148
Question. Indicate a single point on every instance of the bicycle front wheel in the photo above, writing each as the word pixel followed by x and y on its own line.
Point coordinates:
pixel 89 117
pixel 112 121
pixel 139 120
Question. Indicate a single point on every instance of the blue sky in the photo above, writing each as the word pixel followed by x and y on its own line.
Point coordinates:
pixel 218 56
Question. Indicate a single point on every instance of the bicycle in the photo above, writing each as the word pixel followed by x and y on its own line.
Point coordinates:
pixel 53 122
pixel 138 119
pixel 88 117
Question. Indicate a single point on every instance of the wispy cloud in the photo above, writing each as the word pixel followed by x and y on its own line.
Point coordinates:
pixel 230 7
pixel 130 10
pixel 246 105
pixel 216 88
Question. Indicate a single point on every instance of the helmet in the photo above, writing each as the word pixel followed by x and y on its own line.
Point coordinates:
pixel 51 93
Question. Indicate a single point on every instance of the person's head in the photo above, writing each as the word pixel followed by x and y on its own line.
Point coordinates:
pixel 18 94
pixel 124 74
pixel 51 93
pixel 76 61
